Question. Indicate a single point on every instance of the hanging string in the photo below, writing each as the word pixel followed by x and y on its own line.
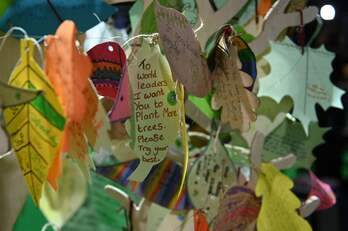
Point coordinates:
pixel 300 32
pixel 6 154
pixel 200 26
pixel 9 32
pixel 54 10
pixel 95 15
pixel 47 225
pixel 256 11
pixel 317 30
pixel 138 36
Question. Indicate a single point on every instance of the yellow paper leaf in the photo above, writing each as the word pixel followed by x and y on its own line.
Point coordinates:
pixel 35 128
pixel 155 117
pixel 279 204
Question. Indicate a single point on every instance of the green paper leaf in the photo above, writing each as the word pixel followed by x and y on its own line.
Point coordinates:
pixel 100 212
pixel 290 137
pixel 271 108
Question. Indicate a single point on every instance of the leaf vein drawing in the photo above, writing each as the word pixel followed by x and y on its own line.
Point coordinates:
pixel 305 78
pixel 36 128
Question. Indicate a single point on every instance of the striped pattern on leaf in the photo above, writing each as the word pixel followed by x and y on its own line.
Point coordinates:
pixel 35 128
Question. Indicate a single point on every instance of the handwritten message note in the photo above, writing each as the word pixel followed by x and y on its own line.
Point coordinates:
pixel 238 104
pixel 290 137
pixel 155 119
pixel 182 50
pixel 210 176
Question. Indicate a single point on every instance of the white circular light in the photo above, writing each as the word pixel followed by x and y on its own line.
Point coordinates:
pixel 327 12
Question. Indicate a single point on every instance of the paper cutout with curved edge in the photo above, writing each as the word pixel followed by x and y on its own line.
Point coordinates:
pixel 232 89
pixel 69 71
pixel 270 115
pixel 306 78
pixel 35 128
pixel 290 137
pixel 182 50
pixel 209 177
pixel 238 210
pixel 279 204
pixel 323 191
pixel 110 77
pixel 59 206
pixel 155 119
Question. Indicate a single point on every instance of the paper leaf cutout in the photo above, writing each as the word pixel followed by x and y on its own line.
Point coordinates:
pixel 290 137
pixel 306 78
pixel 13 96
pixel 272 109
pixel 35 128
pixel 279 204
pixel 59 206
pixel 110 77
pixel 69 71
pixel 230 91
pixel 238 210
pixel 182 51
pixel 155 119
pixel 270 115
pixel 323 191
pixel 209 177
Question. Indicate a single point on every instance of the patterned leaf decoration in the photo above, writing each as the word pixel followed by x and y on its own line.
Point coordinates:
pixel 238 210
pixel 231 89
pixel 35 128
pixel 69 71
pixel 160 186
pixel 110 77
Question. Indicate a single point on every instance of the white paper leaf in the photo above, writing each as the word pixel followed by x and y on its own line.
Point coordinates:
pixel 306 78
